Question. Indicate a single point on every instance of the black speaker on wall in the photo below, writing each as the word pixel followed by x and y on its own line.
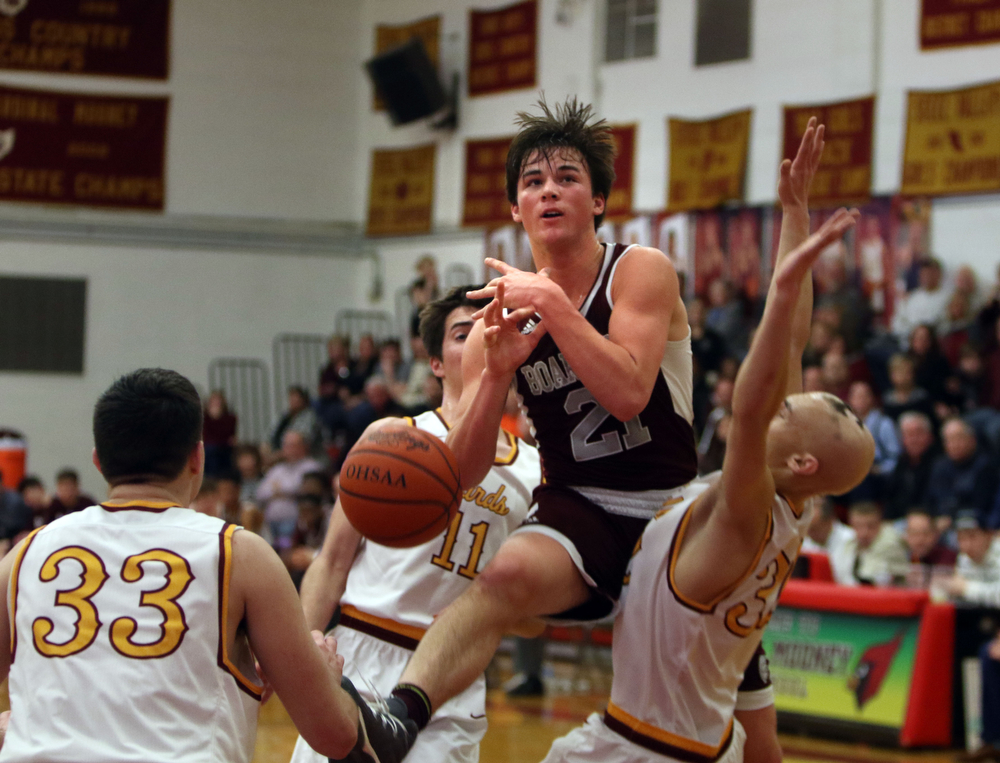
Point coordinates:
pixel 407 81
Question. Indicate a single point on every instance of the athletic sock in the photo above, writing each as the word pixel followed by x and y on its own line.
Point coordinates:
pixel 415 701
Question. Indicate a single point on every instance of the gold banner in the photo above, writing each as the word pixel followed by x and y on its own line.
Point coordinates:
pixel 952 142
pixel 401 196
pixel 388 37
pixel 707 161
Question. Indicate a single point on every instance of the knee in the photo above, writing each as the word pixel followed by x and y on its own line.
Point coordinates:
pixel 508 578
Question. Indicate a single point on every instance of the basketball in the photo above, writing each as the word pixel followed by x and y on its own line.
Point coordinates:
pixel 400 486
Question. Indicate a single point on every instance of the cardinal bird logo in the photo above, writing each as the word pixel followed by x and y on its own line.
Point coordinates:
pixel 872 669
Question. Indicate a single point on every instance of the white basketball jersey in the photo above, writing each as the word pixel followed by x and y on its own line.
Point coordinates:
pixel 400 590
pixel 118 641
pixel 678 663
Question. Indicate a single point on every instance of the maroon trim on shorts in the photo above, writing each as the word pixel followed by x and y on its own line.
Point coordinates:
pixel 604 541
pixel 383 634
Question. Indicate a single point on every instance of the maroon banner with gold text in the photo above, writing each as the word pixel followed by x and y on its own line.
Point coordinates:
pixel 845 172
pixel 502 46
pixel 122 38
pixel 952 23
pixel 486 201
pixel 89 150
pixel 619 203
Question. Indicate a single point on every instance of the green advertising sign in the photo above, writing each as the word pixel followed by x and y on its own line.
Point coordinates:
pixel 842 666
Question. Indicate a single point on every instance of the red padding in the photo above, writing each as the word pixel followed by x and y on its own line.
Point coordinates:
pixel 928 714
pixel 819 566
pixel 860 600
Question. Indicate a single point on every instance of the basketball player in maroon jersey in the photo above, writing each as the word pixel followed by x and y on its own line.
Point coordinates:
pixel 605 374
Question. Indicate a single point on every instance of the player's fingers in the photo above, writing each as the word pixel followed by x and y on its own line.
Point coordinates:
pixel 521 314
pixel 486 292
pixel 500 265
pixel 331 642
pixel 545 272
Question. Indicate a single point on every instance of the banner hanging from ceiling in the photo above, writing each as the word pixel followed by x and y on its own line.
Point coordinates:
pixel 708 161
pixel 401 194
pixel 502 48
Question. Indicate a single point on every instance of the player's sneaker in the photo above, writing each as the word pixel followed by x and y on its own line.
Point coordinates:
pixel 387 738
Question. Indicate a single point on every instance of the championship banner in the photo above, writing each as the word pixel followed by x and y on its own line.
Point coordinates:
pixel 388 37
pixel 952 142
pixel 88 150
pixel 619 203
pixel 844 176
pixel 707 161
pixel 951 23
pixel 502 45
pixel 401 195
pixel 124 38
pixel 486 183
pixel 841 666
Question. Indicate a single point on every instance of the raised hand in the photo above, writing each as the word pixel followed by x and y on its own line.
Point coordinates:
pixel 521 288
pixel 794 267
pixel 506 347
pixel 797 174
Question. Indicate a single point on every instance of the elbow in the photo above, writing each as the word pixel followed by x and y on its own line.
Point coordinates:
pixel 629 404
pixel 335 741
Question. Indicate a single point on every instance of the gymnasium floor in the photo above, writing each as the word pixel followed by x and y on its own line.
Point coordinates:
pixel 521 730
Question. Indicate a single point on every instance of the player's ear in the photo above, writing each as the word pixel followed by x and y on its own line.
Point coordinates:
pixel 196 461
pixel 599 204
pixel 437 367
pixel 97 463
pixel 515 212
pixel 803 464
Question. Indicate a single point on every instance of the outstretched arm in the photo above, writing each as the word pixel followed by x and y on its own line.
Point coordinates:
pixel 762 382
pixel 326 578
pixel 793 191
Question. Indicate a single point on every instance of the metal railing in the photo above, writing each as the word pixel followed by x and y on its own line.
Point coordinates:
pixel 244 382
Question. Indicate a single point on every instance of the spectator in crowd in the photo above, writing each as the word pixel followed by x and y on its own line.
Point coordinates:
pixel 963 477
pixel 32 492
pixel 877 553
pixel 207 500
pixel 725 317
pixel 905 395
pixel 315 504
pixel 828 535
pixel 967 285
pixel 413 396
pixel 906 484
pixel 15 518
pixel 378 403
pixel 363 366
pixel 218 434
pixel 837 293
pixel 923 541
pixel 392 367
pixel 812 379
pixel 977 573
pixel 231 507
pixel 821 340
pixel 836 374
pixel 712 445
pixel 277 492
pixel 925 304
pixel 991 367
pixel 969 379
pixel 707 344
pixel 68 498
pixel 250 466
pixel 300 418
pixel 930 367
pixel 955 332
pixel 426 288
pixel 887 448
pixel 334 387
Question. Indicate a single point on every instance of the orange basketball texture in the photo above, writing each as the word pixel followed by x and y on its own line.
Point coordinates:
pixel 400 486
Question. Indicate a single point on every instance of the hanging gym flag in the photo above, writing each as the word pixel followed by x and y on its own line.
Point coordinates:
pixel 124 38
pixel 502 48
pixel 952 144
pixel 708 161
pixel 401 195
pixel 486 183
pixel 388 37
pixel 88 150
pixel 619 203
pixel 952 23
pixel 844 176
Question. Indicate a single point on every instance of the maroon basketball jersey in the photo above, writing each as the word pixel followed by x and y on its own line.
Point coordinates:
pixel 581 443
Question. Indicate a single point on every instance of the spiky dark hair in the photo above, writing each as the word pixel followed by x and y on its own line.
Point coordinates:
pixel 570 126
